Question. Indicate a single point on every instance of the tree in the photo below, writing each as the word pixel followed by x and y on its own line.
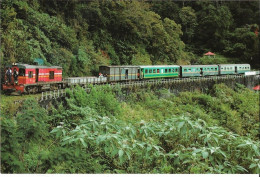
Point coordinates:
pixel 189 23
pixel 213 26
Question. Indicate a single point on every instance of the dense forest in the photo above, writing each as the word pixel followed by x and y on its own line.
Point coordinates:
pixel 81 35
pixel 109 131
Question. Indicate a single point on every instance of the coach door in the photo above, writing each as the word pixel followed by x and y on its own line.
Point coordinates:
pixel 236 69
pixel 37 75
pixel 201 71
pixel 126 74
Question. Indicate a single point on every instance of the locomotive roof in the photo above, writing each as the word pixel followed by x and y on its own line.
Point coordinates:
pixel 26 66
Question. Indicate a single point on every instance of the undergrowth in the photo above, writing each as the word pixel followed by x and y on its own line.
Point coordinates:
pixel 146 132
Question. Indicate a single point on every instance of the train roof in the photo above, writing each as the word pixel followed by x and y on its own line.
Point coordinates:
pixel 200 66
pixel 233 64
pixel 121 66
pixel 158 66
pixel 26 66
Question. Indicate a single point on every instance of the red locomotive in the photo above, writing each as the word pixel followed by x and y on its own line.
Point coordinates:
pixel 26 78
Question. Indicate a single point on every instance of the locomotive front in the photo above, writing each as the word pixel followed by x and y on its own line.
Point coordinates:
pixel 24 78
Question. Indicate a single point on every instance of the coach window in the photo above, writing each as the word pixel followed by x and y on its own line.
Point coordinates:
pixel 185 70
pixel 158 71
pixel 51 75
pixel 216 69
pixel 146 71
pixel 165 70
pixel 30 75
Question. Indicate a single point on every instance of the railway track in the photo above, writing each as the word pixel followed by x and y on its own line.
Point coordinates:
pixel 62 92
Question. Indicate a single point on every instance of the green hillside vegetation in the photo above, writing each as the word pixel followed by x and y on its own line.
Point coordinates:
pixel 81 35
pixel 109 131
pixel 145 132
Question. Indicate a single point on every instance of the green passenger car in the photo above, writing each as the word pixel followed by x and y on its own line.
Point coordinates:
pixel 233 68
pixel 199 70
pixel 159 71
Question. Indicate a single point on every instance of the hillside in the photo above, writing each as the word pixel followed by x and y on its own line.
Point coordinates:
pixel 146 132
pixel 139 130
pixel 81 35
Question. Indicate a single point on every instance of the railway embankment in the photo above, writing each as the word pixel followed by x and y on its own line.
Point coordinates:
pixel 175 86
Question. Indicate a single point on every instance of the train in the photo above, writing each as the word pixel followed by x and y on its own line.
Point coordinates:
pixel 25 78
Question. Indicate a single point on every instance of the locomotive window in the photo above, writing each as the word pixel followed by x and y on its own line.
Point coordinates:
pixel 30 75
pixel 21 72
pixel 51 75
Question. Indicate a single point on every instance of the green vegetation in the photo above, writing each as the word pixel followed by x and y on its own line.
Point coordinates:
pixel 109 131
pixel 148 132
pixel 81 35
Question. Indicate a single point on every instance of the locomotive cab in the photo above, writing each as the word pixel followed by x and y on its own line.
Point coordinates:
pixel 11 77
